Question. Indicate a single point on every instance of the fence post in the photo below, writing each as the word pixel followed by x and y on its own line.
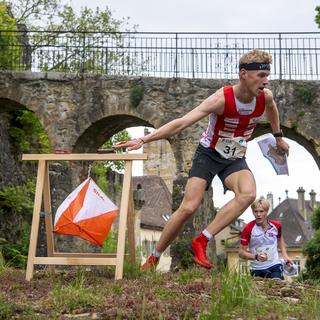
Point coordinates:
pixel 280 58
pixel 176 62
pixel 83 53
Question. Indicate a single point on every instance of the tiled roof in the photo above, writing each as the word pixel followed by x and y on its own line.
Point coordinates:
pixel 296 230
pixel 157 201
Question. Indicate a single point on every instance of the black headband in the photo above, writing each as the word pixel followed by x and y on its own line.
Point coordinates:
pixel 254 66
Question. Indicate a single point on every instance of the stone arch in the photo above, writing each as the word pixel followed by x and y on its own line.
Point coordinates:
pixel 99 132
pixel 7 105
pixel 102 130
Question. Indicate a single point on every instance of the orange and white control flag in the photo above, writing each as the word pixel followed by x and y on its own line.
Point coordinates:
pixel 87 212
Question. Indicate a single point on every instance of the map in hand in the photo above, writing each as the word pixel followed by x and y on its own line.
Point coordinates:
pixel 277 158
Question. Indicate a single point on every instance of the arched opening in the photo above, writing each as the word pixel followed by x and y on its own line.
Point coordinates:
pixel 152 179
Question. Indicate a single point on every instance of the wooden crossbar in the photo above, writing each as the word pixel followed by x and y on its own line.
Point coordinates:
pixel 43 198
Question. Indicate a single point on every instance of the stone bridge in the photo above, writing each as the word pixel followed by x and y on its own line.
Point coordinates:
pixel 81 112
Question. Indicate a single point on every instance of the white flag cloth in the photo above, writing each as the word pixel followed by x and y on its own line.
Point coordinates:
pixel 87 212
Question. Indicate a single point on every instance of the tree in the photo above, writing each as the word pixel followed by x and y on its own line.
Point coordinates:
pixel 317 18
pixel 73 42
pixel 10 50
pixel 312 248
pixel 101 168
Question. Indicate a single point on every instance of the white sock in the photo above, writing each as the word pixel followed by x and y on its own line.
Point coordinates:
pixel 207 234
pixel 156 253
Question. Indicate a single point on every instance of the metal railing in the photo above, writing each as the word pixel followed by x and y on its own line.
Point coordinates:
pixel 188 55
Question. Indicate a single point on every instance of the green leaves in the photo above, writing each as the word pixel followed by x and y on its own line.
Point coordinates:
pixel 312 249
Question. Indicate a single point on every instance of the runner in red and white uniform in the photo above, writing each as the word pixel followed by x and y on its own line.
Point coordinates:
pixel 260 241
pixel 233 113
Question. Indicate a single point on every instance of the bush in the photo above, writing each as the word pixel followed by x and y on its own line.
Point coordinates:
pixel 312 249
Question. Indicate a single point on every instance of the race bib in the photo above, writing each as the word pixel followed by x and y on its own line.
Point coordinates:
pixel 231 148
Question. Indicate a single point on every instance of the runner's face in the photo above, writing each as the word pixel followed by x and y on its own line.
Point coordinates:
pixel 256 80
pixel 260 214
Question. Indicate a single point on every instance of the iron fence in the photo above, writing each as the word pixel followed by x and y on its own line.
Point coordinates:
pixel 188 55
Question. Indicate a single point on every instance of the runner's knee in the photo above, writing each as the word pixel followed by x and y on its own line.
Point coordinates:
pixel 188 209
pixel 246 198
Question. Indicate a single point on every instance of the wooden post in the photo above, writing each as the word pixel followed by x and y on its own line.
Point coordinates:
pixel 43 193
pixel 131 228
pixel 35 218
pixel 48 214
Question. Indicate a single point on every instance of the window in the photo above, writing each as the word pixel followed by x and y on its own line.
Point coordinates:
pixel 148 247
pixel 297 263
pixel 165 217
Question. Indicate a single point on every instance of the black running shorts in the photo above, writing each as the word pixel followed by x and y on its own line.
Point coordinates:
pixel 207 163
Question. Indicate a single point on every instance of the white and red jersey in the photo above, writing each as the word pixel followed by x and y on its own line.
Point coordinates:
pixel 260 241
pixel 229 132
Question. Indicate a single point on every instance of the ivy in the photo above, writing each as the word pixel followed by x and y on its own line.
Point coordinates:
pixel 306 94
pixel 19 198
pixel 27 133
pixel 136 95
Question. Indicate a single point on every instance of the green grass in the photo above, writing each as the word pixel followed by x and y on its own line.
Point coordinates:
pixel 237 298
pixel 76 295
pixel 9 310
pixel 220 295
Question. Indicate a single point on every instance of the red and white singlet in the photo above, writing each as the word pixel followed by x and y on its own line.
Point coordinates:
pixel 260 241
pixel 228 133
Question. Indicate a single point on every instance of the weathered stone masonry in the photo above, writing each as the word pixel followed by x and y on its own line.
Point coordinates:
pixel 81 112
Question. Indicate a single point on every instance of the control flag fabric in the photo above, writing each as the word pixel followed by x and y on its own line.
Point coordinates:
pixel 87 212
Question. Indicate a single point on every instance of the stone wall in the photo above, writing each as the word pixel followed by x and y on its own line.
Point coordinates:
pixel 80 113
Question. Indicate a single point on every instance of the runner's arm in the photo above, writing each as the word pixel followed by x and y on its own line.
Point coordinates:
pixel 213 104
pixel 273 117
pixel 282 248
pixel 245 254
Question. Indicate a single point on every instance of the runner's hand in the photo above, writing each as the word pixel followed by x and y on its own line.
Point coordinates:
pixel 134 144
pixel 282 145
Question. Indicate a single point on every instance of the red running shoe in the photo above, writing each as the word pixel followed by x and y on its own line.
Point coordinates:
pixel 199 246
pixel 151 263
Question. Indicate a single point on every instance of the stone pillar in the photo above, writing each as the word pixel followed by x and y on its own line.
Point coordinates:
pixel 161 161
pixel 270 199
pixel 312 199
pixel 301 203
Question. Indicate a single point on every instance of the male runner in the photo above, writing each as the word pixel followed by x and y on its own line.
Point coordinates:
pixel 233 112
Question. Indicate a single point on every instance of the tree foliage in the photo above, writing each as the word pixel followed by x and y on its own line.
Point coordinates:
pixel 82 35
pixel 101 168
pixel 10 50
pixel 317 18
pixel 312 248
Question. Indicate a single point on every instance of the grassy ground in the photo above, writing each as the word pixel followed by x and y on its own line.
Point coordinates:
pixel 189 294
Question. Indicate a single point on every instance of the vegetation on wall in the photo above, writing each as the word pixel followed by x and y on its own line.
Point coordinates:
pixel 136 95
pixel 27 133
pixel 306 94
